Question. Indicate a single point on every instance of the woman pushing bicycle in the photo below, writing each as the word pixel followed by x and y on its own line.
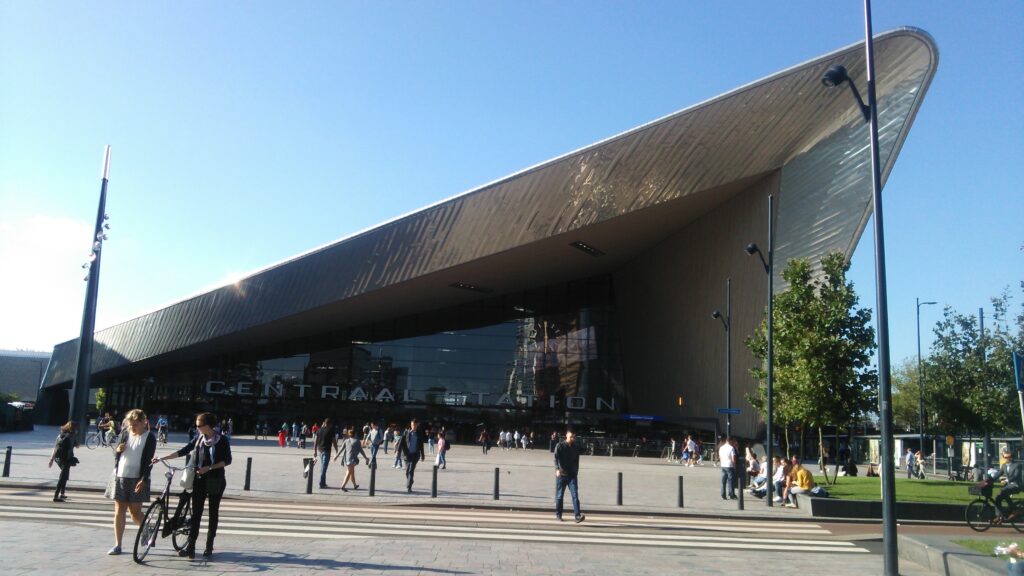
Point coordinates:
pixel 211 453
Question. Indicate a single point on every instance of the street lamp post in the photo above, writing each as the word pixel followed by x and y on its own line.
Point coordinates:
pixel 769 268
pixel 727 322
pixel 920 376
pixel 835 77
pixel 83 371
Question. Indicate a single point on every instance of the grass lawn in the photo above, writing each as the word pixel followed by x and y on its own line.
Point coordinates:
pixel 984 546
pixel 864 488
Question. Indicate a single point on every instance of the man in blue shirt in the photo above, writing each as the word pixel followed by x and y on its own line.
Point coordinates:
pixel 411 445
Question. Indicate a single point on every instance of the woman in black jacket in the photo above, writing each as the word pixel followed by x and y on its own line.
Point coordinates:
pixel 211 451
pixel 64 455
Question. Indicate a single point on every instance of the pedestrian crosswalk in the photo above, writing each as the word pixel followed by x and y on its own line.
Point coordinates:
pixel 251 517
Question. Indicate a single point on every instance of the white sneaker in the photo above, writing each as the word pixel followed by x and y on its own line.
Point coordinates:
pixel 777 499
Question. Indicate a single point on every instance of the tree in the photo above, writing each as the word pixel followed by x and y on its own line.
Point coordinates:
pixel 101 399
pixel 822 348
pixel 906 396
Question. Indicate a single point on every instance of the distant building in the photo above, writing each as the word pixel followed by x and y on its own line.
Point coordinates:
pixel 577 292
pixel 22 372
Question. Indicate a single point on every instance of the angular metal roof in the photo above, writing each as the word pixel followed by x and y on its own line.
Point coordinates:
pixel 622 195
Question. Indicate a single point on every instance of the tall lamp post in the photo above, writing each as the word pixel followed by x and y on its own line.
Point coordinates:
pixel 920 376
pixel 835 77
pixel 769 268
pixel 727 322
pixel 83 371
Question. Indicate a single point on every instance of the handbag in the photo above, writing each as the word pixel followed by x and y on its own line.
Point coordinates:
pixel 74 461
pixel 188 476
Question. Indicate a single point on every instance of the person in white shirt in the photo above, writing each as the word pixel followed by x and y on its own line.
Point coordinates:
pixel 727 458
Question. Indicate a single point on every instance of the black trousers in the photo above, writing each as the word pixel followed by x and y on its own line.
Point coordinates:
pixel 62 481
pixel 410 469
pixel 200 494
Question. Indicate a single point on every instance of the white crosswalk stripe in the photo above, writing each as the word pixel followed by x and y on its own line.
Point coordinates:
pixel 327 521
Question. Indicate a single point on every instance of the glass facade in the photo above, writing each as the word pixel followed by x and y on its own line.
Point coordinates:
pixel 538 358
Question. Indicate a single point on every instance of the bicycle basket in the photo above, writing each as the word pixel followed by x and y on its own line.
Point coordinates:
pixel 983 488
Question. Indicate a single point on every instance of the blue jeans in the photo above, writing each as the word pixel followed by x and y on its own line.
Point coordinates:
pixel 730 478
pixel 325 458
pixel 441 459
pixel 560 483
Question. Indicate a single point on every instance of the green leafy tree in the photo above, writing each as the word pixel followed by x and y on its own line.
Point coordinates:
pixel 906 396
pixel 823 346
pixel 101 399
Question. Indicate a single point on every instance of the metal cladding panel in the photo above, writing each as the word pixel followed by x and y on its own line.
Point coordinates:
pixel 788 121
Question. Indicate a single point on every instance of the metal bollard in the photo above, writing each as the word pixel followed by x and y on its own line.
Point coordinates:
pixel 248 473
pixel 7 463
pixel 497 472
pixel 433 483
pixel 680 491
pixel 373 477
pixel 742 482
pixel 618 499
pixel 306 462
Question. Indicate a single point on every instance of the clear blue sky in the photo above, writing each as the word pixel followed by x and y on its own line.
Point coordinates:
pixel 246 133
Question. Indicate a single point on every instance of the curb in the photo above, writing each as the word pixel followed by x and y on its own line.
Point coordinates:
pixel 941 556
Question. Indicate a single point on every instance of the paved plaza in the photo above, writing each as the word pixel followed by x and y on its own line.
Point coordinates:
pixel 277 527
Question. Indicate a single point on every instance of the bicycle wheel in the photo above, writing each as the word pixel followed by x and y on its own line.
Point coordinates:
pixel 145 538
pixel 183 523
pixel 92 441
pixel 980 514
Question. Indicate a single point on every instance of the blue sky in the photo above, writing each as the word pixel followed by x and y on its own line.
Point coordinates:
pixel 246 133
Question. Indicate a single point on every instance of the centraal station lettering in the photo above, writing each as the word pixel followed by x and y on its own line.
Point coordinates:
pixel 358 394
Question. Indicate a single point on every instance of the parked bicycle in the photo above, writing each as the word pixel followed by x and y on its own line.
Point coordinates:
pixel 158 522
pixel 982 513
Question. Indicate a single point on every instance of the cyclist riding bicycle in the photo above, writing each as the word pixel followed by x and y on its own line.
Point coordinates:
pixel 161 428
pixel 1013 474
pixel 104 428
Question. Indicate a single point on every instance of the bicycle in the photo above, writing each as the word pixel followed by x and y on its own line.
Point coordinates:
pixel 982 513
pixel 177 526
pixel 94 439
pixel 161 436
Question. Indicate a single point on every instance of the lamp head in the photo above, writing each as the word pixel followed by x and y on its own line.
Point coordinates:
pixel 835 76
pixel 751 249
pixel 716 314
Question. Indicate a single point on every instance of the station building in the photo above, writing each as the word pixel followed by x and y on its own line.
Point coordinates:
pixel 576 292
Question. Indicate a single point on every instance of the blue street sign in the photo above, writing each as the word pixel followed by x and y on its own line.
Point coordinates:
pixel 733 411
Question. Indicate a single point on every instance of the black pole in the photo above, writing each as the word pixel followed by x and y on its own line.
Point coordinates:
pixel 680 491
pixel 891 555
pixel 618 498
pixel 83 371
pixel 373 477
pixel 769 450
pixel 920 383
pixel 728 356
pixel 433 483
pixel 741 469
pixel 7 463
pixel 987 440
pixel 248 472
pixel 497 472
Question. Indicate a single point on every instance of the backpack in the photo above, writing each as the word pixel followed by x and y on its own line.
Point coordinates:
pixel 819 492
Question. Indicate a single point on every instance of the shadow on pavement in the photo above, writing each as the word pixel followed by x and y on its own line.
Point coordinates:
pixel 241 561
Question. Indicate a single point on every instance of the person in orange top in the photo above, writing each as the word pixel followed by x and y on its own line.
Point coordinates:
pixel 800 481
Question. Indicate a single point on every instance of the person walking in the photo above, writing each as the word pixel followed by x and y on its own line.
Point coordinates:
pixel 485 441
pixel 411 446
pixel 282 435
pixel 397 436
pixel 553 442
pixel 909 461
pixel 727 458
pixel 211 453
pixel 129 483
pixel 442 448
pixel 351 450
pixel 567 467
pixel 64 455
pixel 326 438
pixel 375 438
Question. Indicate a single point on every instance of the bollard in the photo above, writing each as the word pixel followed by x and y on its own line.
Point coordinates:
pixel 7 463
pixel 680 491
pixel 433 483
pixel 248 473
pixel 307 464
pixel 742 482
pixel 497 472
pixel 618 499
pixel 373 477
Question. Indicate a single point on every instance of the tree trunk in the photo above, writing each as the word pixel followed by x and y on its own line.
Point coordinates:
pixel 786 431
